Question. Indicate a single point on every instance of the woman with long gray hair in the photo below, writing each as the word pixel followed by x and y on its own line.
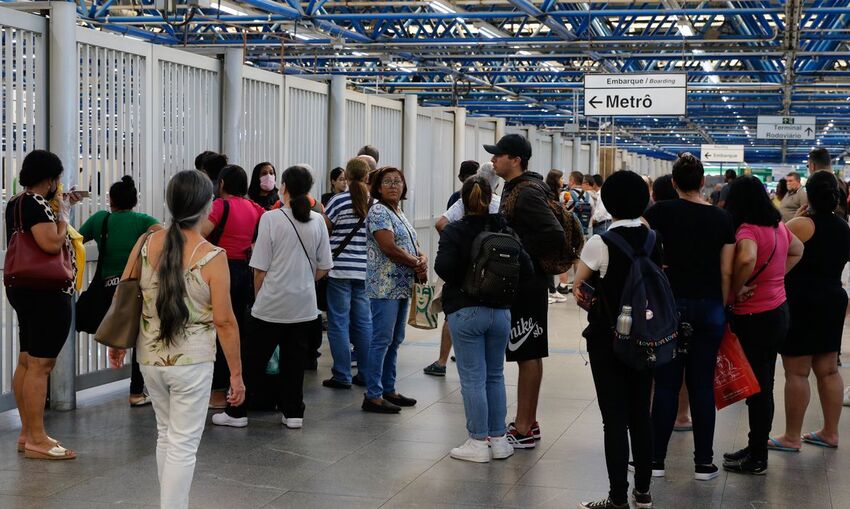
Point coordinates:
pixel 186 300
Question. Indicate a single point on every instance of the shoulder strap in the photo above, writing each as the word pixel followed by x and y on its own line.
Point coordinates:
pixel 143 249
pixel 342 245
pixel 215 236
pixel 299 239
pixel 101 254
pixel 769 258
pixel 618 240
pixel 409 234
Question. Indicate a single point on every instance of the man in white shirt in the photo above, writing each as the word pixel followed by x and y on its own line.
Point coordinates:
pixel 601 219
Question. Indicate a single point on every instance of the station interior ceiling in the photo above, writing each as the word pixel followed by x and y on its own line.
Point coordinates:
pixel 525 60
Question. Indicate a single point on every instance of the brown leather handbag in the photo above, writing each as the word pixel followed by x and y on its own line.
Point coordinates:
pixel 120 326
pixel 28 266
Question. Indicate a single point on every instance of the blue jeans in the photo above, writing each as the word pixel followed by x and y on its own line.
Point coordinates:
pixel 349 322
pixel 389 318
pixel 480 336
pixel 708 320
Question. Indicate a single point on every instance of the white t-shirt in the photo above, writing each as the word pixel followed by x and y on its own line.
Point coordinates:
pixel 288 294
pixel 594 254
pixel 600 213
pixel 457 210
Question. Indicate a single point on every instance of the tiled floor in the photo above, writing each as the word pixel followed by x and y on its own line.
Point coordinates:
pixel 344 458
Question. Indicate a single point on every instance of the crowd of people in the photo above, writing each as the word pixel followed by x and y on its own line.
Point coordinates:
pixel 240 273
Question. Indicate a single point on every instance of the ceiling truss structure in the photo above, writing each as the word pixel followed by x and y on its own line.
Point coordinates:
pixel 525 59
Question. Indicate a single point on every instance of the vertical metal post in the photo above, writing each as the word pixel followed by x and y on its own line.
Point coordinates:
pixel 232 117
pixel 336 123
pixel 594 157
pixel 63 104
pixel 577 155
pixel 409 122
pixel 460 140
pixel 500 128
pixel 557 151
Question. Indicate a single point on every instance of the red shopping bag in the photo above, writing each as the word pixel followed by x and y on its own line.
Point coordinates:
pixel 734 379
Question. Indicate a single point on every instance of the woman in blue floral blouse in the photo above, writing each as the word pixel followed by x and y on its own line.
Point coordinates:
pixel 393 261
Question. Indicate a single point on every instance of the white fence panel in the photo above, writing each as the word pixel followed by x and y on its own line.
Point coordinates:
pixel 262 110
pixel 23 127
pixel 584 159
pixel 479 132
pixel 306 129
pixel 187 116
pixel 567 165
pixel 386 130
pixel 356 131
pixel 435 174
pixel 543 156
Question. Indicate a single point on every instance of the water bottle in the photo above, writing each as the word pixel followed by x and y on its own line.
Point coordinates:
pixel 624 321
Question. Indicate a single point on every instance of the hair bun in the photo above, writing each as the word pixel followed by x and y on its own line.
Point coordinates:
pixel 127 179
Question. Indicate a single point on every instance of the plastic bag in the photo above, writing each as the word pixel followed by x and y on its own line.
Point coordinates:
pixel 273 366
pixel 734 379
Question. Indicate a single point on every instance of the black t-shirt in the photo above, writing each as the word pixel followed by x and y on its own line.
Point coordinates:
pixel 693 235
pixel 34 210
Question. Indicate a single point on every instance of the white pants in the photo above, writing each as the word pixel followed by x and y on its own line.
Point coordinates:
pixel 180 397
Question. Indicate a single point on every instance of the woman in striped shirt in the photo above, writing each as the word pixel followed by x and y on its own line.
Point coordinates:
pixel 349 314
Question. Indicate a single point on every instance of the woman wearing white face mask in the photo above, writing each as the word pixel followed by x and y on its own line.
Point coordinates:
pixel 263 188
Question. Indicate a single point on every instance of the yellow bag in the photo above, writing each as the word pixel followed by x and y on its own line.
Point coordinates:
pixel 79 255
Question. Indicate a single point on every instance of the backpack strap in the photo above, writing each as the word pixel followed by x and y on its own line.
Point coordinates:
pixel 215 235
pixel 618 240
pixel 104 235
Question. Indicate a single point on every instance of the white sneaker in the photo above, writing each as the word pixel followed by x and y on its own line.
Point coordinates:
pixel 557 297
pixel 293 422
pixel 847 396
pixel 472 450
pixel 501 448
pixel 552 299
pixel 222 419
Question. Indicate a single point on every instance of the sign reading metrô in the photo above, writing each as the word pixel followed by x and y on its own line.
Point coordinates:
pixel 786 128
pixel 722 153
pixel 635 95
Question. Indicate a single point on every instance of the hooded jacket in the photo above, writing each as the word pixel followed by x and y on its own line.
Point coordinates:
pixel 454 256
pixel 531 218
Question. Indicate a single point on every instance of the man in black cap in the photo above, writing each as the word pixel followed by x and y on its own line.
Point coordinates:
pixel 525 206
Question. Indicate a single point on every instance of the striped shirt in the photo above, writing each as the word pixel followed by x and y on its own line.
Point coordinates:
pixel 351 263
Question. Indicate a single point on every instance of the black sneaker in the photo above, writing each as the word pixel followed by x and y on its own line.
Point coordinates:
pixel 747 465
pixel 398 399
pixel 385 407
pixel 434 369
pixel 706 472
pixel 358 380
pixel 657 468
pixel 565 289
pixel 520 441
pixel 642 500
pixel 737 455
pixel 333 383
pixel 603 504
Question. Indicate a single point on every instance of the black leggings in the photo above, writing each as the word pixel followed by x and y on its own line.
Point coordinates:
pixel 760 335
pixel 241 298
pixel 44 320
pixel 623 395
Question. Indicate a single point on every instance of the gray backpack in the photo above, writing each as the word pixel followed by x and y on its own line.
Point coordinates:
pixel 493 274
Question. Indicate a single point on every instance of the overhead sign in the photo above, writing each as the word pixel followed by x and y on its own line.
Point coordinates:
pixel 635 95
pixel 722 153
pixel 786 128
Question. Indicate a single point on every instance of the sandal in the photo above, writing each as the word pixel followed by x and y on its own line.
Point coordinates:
pixel 22 445
pixel 56 452
pixel 775 445
pixel 815 439
pixel 142 400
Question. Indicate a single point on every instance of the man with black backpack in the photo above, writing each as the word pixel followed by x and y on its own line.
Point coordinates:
pixel 526 206
pixel 632 328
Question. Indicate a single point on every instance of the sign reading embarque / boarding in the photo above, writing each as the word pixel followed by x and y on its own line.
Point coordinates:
pixel 786 128
pixel 635 95
pixel 722 153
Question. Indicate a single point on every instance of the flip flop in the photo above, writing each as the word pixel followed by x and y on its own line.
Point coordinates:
pixel 23 445
pixel 815 439
pixel 54 453
pixel 775 445
pixel 684 427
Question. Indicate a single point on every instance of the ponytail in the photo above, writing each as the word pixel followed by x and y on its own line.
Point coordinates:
pixel 356 172
pixel 189 197
pixel 297 181
pixel 476 195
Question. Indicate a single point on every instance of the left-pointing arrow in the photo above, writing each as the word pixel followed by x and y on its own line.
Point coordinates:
pixel 594 101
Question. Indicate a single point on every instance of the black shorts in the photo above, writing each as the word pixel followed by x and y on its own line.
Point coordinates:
pixel 529 323
pixel 44 320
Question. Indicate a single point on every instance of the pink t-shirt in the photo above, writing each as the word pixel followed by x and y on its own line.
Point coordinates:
pixel 770 284
pixel 240 226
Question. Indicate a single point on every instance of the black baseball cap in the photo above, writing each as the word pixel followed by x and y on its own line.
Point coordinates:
pixel 513 145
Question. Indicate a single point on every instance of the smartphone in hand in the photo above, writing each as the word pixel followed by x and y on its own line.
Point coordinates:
pixel 587 293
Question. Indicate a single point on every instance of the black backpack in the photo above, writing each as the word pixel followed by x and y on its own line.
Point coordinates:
pixel 651 340
pixel 493 274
